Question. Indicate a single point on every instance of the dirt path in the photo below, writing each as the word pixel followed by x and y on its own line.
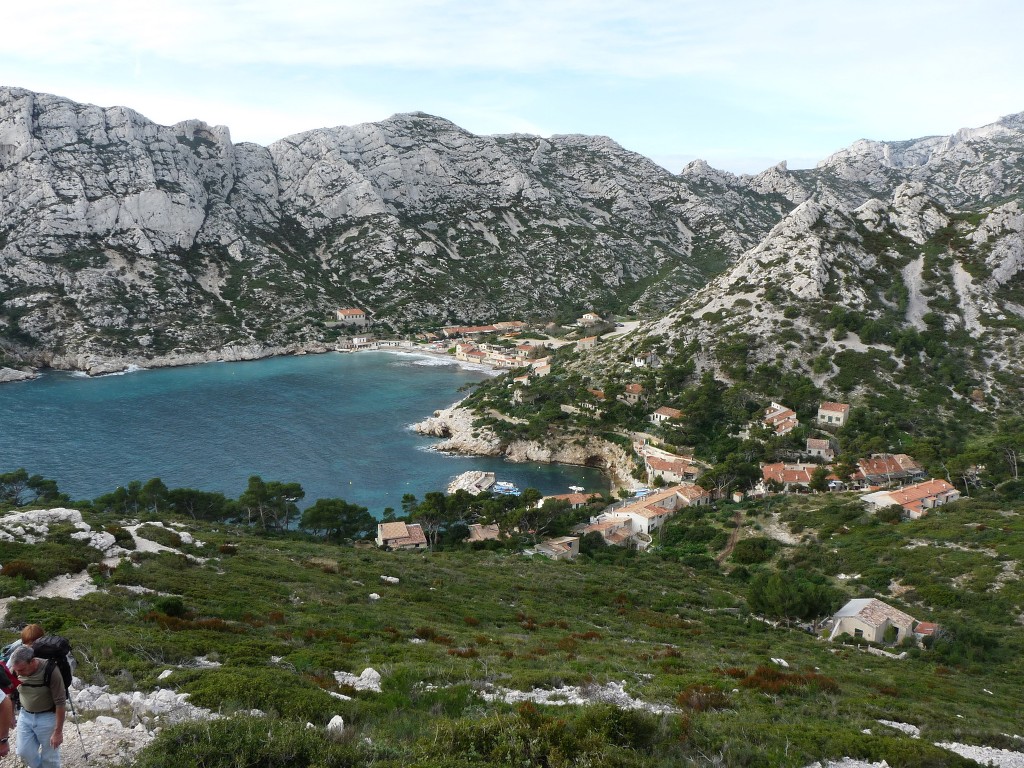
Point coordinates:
pixel 733 538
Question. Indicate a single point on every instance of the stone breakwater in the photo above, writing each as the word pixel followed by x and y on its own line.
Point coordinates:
pixel 455 426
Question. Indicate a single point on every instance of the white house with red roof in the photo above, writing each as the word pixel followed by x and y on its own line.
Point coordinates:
pixel 820 448
pixel 833 414
pixel 664 413
pixel 915 499
pixel 780 419
pixel 636 519
pixel 632 393
pixel 352 316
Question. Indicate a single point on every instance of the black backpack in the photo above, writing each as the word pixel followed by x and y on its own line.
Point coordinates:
pixel 57 652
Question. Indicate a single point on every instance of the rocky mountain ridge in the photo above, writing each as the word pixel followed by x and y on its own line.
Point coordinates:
pixel 121 237
pixel 903 291
pixel 124 240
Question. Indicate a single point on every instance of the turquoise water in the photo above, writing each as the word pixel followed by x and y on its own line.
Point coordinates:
pixel 336 423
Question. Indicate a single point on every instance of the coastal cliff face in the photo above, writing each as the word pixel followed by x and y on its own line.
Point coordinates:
pixel 126 241
pixel 123 238
pixel 455 425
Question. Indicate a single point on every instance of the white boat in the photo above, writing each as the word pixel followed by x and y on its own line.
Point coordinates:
pixel 505 489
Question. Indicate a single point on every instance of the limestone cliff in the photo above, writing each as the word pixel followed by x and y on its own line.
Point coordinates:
pixel 455 425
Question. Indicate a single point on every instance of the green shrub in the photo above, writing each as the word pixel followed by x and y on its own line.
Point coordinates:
pixel 753 551
pixel 272 690
pixel 170 606
pixel 246 742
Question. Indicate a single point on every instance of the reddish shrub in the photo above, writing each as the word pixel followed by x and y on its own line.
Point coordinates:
pixel 701 698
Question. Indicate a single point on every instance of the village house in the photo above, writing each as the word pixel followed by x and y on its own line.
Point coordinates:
pixel 926 629
pixel 634 520
pixel 632 394
pixel 915 499
pixel 469 353
pixel 833 414
pixel 587 343
pixel 664 413
pixel 671 469
pixel 563 548
pixel 510 326
pixel 479 532
pixel 780 419
pixel 401 536
pixel 789 476
pixel 885 468
pixel 872 619
pixel 589 318
pixel 352 316
pixel 647 360
pixel 822 449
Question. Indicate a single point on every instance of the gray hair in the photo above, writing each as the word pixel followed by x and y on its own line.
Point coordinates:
pixel 21 655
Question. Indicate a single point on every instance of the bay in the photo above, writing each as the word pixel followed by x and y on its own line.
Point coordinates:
pixel 336 423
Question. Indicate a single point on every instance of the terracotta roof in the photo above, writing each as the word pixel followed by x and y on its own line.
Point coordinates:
pixel 478 532
pixel 834 407
pixel 693 492
pixel 350 312
pixel 675 466
pixel 879 464
pixel 391 530
pixel 400 534
pixel 634 389
pixel 672 413
pixel 781 418
pixel 875 612
pixel 926 628
pixel 816 444
pixel 598 393
pixel 798 474
pixel 915 494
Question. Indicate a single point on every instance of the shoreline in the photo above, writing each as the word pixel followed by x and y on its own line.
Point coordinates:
pixel 95 367
pixel 459 441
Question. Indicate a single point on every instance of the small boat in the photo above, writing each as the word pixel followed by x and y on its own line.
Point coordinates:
pixel 505 489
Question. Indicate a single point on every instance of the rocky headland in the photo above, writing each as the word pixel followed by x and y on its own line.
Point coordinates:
pixel 455 425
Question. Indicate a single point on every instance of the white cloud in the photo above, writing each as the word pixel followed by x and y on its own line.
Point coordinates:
pixel 822 73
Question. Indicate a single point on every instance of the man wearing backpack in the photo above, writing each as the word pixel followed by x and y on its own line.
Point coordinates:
pixel 43 701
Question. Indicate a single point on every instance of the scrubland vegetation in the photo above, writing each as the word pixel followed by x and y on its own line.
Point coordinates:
pixel 282 611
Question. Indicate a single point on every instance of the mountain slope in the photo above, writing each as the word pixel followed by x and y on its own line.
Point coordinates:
pixel 903 292
pixel 119 236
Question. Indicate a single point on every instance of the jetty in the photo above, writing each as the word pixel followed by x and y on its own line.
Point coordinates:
pixel 474 482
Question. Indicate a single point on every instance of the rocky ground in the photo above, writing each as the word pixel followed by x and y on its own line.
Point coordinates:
pixel 109 729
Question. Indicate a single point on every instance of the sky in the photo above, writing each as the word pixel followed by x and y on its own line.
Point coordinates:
pixel 742 84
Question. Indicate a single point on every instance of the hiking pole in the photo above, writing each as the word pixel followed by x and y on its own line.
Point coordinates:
pixel 74 712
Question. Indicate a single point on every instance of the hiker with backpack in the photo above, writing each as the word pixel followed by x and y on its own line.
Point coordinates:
pixel 43 702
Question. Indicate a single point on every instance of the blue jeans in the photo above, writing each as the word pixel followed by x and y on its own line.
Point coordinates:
pixel 34 732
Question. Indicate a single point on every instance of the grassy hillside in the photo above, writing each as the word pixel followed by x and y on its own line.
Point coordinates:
pixel 282 613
